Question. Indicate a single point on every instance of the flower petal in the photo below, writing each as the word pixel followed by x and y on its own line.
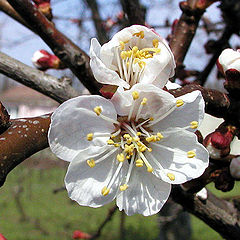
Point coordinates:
pixel 191 110
pixel 171 153
pixel 158 101
pixel 85 184
pixel 145 195
pixel 102 73
pixel 73 120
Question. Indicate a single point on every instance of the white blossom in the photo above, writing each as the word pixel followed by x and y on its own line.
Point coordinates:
pixel 229 59
pixel 132 147
pixel 134 55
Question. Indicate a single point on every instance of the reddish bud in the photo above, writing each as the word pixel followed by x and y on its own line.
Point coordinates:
pixel 43 60
pixel 174 25
pixel 218 142
pixel 80 235
pixel 2 237
pixel 203 4
pixel 109 23
pixel 44 7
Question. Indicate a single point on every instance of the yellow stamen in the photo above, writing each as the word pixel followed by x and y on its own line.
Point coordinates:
pixel 171 176
pixel 139 163
pixel 120 157
pixel 150 149
pixel 135 95
pixel 110 142
pixel 126 136
pixel 134 49
pixel 144 101
pixel 116 145
pixel 191 154
pixel 98 110
pixel 129 141
pixel 90 137
pixel 139 133
pixel 136 139
pixel 159 135
pixel 149 169
pixel 139 34
pixel 123 55
pixel 91 163
pixel 179 102
pixel 153 50
pixel 194 124
pixel 122 45
pixel 155 42
pixel 123 187
pixel 105 191
pixel 141 64
pixel 151 118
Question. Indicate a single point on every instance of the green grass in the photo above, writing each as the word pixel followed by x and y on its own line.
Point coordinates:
pixel 55 216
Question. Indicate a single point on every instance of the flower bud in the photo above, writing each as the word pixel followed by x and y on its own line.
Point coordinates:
pixel 235 168
pixel 44 7
pixel 229 59
pixel 218 142
pixel 43 60
pixel 80 235
pixel 2 237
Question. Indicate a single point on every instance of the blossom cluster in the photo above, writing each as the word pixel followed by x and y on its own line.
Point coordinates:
pixel 133 146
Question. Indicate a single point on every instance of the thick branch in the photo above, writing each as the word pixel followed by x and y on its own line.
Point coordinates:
pixel 134 11
pixel 101 32
pixel 219 214
pixel 58 89
pixel 73 57
pixel 7 8
pixel 22 139
pixel 185 30
pixel 216 102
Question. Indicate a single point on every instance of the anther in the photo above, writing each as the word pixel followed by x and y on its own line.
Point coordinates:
pixel 149 169
pixel 98 110
pixel 159 135
pixel 90 137
pixel 171 176
pixel 105 191
pixel 123 55
pixel 91 163
pixel 122 45
pixel 179 102
pixel 139 163
pixel 123 187
pixel 134 49
pixel 120 157
pixel 139 34
pixel 135 95
pixel 144 101
pixel 194 124
pixel 155 42
pixel 191 154
pixel 110 142
pixel 139 133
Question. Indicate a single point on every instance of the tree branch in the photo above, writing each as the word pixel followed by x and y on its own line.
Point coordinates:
pixel 101 32
pixel 58 89
pixel 221 215
pixel 185 30
pixel 72 56
pixel 134 11
pixel 23 138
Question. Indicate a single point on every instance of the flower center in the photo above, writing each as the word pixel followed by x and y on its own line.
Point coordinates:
pixel 131 141
pixel 131 60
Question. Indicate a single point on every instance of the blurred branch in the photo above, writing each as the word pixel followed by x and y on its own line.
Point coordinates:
pixel 220 45
pixel 73 57
pixel 7 8
pixel 23 138
pixel 185 30
pixel 111 212
pixel 101 32
pixel 134 11
pixel 221 215
pixel 216 102
pixel 58 89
